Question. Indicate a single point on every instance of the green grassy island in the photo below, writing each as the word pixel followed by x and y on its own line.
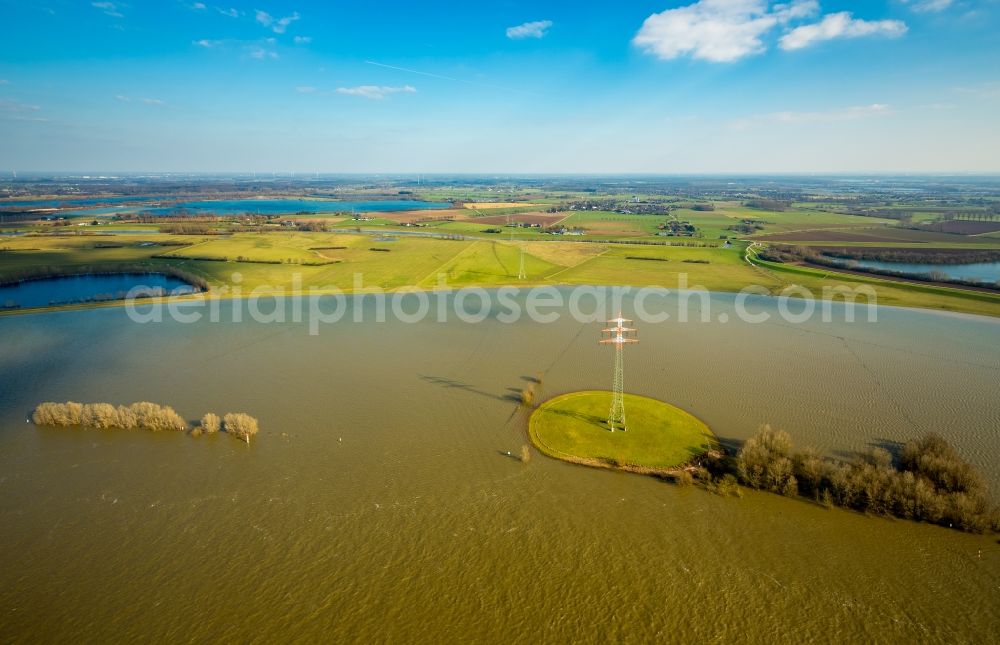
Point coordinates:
pixel 660 438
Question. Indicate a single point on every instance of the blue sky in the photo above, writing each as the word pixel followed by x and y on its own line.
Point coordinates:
pixel 508 87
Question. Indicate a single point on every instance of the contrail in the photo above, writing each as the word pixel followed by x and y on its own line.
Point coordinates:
pixel 414 71
pixel 442 77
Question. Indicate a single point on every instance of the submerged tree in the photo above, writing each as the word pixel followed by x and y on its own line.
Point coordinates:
pixel 765 462
pixel 211 423
pixel 240 425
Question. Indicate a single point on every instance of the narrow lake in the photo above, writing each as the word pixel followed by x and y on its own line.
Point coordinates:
pixel 226 206
pixel 980 271
pixel 279 206
pixel 80 288
pixel 76 201
pixel 378 503
pixel 230 206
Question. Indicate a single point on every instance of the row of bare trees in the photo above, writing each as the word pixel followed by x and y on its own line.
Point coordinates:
pixel 139 416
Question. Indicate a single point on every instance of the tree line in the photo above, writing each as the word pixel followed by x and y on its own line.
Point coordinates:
pixel 927 482
pixel 189 228
pixel 139 416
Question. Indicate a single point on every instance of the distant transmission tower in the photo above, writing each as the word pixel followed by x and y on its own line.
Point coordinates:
pixel 521 273
pixel 618 336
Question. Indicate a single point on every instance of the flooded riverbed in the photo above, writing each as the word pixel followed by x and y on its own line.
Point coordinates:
pixel 378 502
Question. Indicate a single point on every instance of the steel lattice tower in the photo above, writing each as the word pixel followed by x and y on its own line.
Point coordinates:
pixel 618 336
pixel 521 273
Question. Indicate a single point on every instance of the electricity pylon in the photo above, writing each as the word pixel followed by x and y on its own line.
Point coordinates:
pixel 521 273
pixel 618 336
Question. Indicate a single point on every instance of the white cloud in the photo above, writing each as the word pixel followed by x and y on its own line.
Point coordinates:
pixel 938 106
pixel 260 53
pixel 377 92
pixel 9 105
pixel 232 13
pixel 536 29
pixel 146 101
pixel 30 119
pixel 717 30
pixel 825 116
pixel 259 49
pixel 277 25
pixel 112 9
pixel 305 89
pixel 989 89
pixel 199 6
pixel 303 40
pixel 840 25
pixel 924 6
pixel 795 10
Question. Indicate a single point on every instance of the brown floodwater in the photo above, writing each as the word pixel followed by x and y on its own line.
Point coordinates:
pixel 378 502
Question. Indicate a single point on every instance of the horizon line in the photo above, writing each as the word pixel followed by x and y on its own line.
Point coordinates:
pixel 264 174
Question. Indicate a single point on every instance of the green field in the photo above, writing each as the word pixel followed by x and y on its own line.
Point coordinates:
pixel 285 261
pixel 574 427
pixel 608 225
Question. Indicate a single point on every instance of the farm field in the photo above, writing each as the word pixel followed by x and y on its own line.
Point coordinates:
pixel 542 219
pixel 281 261
pixel 430 215
pixel 614 225
pixel 616 247
pixel 670 267
pixel 487 206
pixel 717 223
pixel 490 264
pixel 969 228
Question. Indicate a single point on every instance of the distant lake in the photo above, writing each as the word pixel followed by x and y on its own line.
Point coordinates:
pixel 46 291
pixel 80 201
pixel 279 206
pixel 228 206
pixel 981 271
